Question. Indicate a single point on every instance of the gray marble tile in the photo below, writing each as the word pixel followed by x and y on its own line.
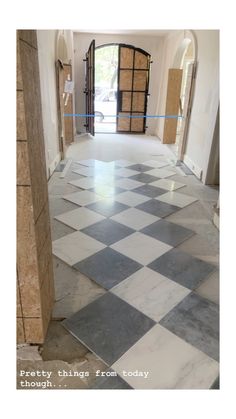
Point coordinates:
pixel 108 231
pixel 143 177
pixel 169 233
pixel 210 288
pixel 140 167
pixel 149 190
pixel 58 206
pixel 182 268
pixel 216 384
pixel 107 207
pixel 107 268
pixel 59 230
pixel 158 208
pixel 108 327
pixel 196 320
pixel 111 382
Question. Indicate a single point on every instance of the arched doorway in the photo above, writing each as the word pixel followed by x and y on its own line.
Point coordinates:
pixel 185 59
pixel 106 71
pixel 180 90
pixel 117 74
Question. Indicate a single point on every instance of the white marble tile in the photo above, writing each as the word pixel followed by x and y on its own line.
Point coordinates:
pixel 156 163
pixel 150 292
pixel 141 248
pixel 135 218
pixel 88 162
pixel 106 191
pixel 178 199
pixel 131 198
pixel 80 218
pixel 82 198
pixel 123 171
pixel 75 247
pixel 171 363
pixel 128 183
pixel 84 171
pixel 84 183
pixel 169 185
pixel 161 173
pixel 124 163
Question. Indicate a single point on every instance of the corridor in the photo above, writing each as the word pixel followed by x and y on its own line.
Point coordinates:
pixel 135 267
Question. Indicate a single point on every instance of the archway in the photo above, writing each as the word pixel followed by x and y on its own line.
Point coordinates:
pixel 106 69
pixel 128 81
pixel 185 59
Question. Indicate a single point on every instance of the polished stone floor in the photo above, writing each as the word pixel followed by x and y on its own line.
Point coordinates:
pixel 136 264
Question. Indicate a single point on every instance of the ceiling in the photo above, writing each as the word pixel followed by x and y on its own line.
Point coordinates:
pixel 143 32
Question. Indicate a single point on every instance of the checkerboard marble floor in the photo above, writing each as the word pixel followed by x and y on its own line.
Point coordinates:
pixel 149 319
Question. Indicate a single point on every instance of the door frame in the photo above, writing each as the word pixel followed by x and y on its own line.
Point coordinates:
pixel 142 51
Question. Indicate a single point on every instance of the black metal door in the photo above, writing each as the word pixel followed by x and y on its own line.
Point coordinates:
pixel 132 92
pixel 89 87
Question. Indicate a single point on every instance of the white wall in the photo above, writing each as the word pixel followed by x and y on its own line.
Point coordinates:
pixel 47 50
pixel 206 96
pixel 47 53
pixel 153 45
pixel 206 100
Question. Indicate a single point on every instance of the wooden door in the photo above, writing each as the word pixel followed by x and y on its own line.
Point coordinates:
pixel 68 106
pixel 172 104
pixel 89 88
pixel 60 107
pixel 132 89
pixel 186 109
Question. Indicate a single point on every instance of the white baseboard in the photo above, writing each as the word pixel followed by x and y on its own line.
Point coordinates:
pixel 54 164
pixel 193 167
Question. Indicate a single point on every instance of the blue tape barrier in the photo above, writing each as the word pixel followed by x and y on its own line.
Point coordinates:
pixel 82 115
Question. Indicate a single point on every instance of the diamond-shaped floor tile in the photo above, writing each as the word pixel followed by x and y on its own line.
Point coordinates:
pixel 182 268
pixel 123 163
pixel 107 207
pixel 156 163
pixel 140 167
pixel 124 172
pixel 134 218
pixel 79 218
pixel 161 173
pixel 171 363
pixel 114 382
pixel 151 293
pixel 141 248
pixel 158 208
pixel 84 171
pixel 75 247
pixel 107 268
pixel 108 231
pixel 108 327
pixel 196 320
pixel 144 178
pixel 106 191
pixel 149 190
pixel 127 183
pixel 131 198
pixel 167 232
pixel 178 199
pixel 167 184
pixel 84 183
pixel 82 198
